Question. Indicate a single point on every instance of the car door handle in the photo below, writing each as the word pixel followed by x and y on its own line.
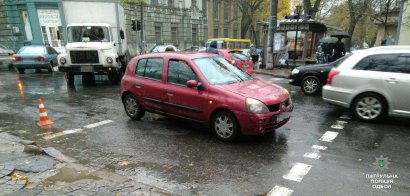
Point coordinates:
pixel 392 80
pixel 170 92
pixel 138 85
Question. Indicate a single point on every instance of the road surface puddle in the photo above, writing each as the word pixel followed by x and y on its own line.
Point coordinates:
pixel 70 175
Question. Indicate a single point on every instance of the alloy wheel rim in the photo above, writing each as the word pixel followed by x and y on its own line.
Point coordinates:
pixel 132 106
pixel 310 85
pixel 224 127
pixel 369 108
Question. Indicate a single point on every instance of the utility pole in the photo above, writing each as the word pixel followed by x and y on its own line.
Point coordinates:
pixel 271 34
pixel 142 29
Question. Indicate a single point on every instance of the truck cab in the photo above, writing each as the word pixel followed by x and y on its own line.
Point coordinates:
pixel 91 49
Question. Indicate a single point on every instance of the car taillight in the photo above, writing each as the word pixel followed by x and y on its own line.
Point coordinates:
pixel 16 58
pixel 40 58
pixel 331 75
pixel 232 62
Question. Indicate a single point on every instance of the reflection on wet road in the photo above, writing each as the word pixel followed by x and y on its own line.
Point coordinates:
pixel 185 158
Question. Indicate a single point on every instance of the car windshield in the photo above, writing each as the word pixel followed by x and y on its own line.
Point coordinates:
pixel 88 34
pixel 218 71
pixel 340 61
pixel 31 50
pixel 158 49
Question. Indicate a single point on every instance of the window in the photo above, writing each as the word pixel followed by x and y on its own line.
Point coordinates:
pixel 376 62
pixel 51 50
pixel 179 73
pixel 45 37
pixel 158 32
pixel 154 2
pixel 174 32
pixel 226 31
pixel 171 3
pixel 194 33
pixel 402 64
pixel 216 34
pixel 235 33
pixel 150 68
pixel 215 8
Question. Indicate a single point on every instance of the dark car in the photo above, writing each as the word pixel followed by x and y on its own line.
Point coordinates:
pixel 35 57
pixel 205 88
pixel 311 78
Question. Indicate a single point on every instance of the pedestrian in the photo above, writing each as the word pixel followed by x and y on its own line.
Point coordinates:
pixel 320 55
pixel 213 48
pixel 284 59
pixel 254 54
pixel 339 49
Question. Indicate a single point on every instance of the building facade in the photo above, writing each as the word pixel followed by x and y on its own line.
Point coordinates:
pixel 403 32
pixel 224 19
pixel 26 22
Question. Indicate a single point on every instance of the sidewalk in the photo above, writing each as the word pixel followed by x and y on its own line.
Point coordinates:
pixel 276 72
pixel 27 169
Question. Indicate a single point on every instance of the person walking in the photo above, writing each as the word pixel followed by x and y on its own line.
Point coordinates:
pixel 339 49
pixel 254 54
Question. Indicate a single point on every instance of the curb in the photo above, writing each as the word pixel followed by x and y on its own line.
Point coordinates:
pixel 271 74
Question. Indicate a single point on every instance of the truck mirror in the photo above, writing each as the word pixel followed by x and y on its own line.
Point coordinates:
pixel 122 34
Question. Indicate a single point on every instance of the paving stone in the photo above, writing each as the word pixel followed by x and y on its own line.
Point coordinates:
pixel 6 170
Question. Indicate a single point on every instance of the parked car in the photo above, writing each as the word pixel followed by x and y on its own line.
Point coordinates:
pixel 162 48
pixel 196 48
pixel 35 57
pixel 238 59
pixel 311 78
pixel 6 55
pixel 206 88
pixel 372 83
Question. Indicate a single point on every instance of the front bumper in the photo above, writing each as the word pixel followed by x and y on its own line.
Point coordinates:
pixel 86 69
pixel 294 80
pixel 256 124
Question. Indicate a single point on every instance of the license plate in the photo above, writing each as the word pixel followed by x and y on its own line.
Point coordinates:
pixel 245 65
pixel 86 69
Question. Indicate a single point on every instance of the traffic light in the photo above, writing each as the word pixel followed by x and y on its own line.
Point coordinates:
pixel 138 25
pixel 133 25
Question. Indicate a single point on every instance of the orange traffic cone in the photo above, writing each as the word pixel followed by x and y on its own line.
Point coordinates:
pixel 44 121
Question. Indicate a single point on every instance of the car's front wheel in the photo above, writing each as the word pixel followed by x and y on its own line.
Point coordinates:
pixel 225 126
pixel 311 85
pixel 133 109
pixel 50 68
pixel 369 107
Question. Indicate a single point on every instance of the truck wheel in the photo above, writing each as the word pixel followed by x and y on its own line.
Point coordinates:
pixel 21 71
pixel 50 68
pixel 69 77
pixel 114 76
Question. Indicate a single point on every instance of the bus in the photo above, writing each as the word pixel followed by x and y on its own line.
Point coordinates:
pixel 228 43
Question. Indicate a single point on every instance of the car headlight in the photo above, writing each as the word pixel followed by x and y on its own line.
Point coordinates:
pixel 63 60
pixel 256 106
pixel 295 71
pixel 109 60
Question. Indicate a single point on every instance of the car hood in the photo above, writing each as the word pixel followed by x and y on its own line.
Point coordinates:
pixel 258 89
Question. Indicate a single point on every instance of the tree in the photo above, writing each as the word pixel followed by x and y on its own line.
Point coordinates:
pixel 311 10
pixel 381 11
pixel 357 9
pixel 248 8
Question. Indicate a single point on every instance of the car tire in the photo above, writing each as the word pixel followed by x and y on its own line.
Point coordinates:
pixel 225 126
pixel 50 68
pixel 369 107
pixel 21 71
pixel 311 85
pixel 69 77
pixel 114 76
pixel 133 109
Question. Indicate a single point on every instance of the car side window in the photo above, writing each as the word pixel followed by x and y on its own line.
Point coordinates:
pixel 150 68
pixel 179 72
pixel 380 62
pixel 401 64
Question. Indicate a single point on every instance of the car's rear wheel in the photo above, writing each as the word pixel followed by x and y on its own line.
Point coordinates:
pixel 21 71
pixel 369 107
pixel 69 78
pixel 311 85
pixel 225 126
pixel 133 109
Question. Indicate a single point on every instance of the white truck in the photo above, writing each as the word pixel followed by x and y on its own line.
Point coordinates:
pixel 96 42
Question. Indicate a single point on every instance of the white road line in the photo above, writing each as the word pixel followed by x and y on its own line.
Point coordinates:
pixel 47 137
pixel 312 155
pixel 318 147
pixel 329 136
pixel 345 116
pixel 98 124
pixel 280 191
pixel 339 124
pixel 298 171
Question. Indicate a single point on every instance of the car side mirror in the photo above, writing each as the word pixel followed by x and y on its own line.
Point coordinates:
pixel 122 35
pixel 192 84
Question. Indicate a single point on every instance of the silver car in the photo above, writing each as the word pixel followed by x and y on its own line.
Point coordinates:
pixel 35 57
pixel 373 83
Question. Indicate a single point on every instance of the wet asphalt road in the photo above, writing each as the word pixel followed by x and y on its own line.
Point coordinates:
pixel 184 158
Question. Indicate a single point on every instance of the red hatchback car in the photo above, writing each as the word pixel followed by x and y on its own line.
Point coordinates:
pixel 206 88
pixel 238 59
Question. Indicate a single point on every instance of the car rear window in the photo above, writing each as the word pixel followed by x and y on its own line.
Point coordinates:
pixel 339 61
pixel 32 50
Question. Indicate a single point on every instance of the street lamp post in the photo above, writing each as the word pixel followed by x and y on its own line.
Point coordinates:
pixel 297 15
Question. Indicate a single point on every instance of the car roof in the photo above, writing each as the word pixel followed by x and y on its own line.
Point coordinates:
pixel 179 54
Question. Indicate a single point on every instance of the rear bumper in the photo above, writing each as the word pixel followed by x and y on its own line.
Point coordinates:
pixel 256 124
pixel 31 65
pixel 336 96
